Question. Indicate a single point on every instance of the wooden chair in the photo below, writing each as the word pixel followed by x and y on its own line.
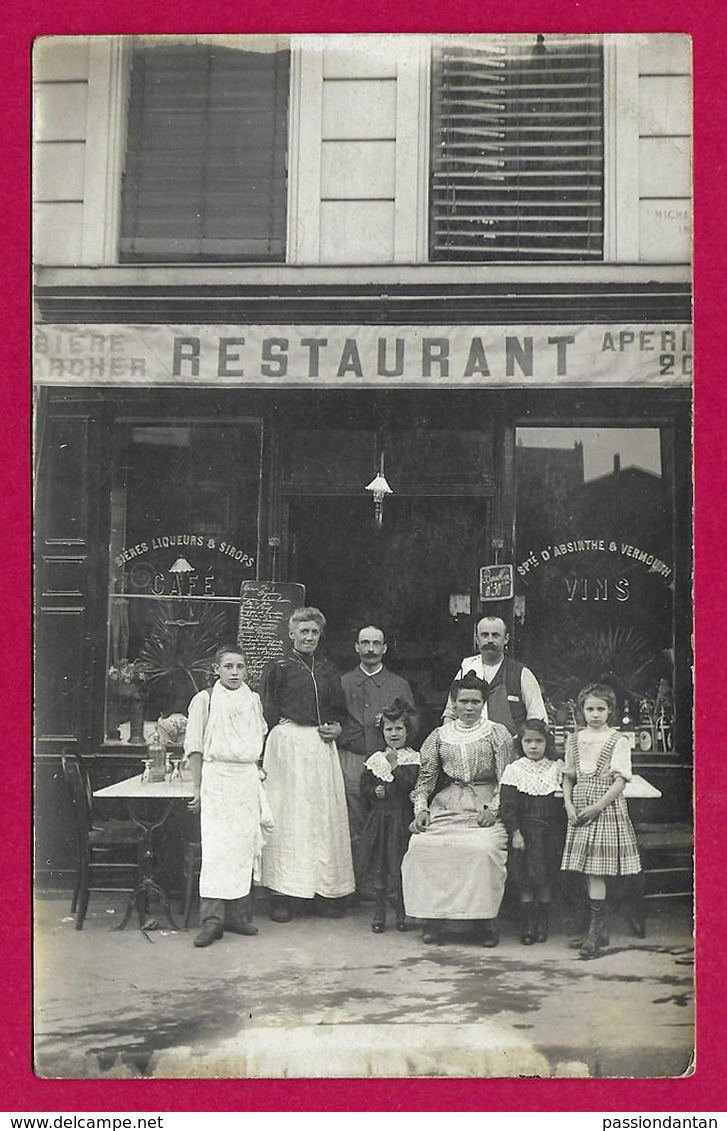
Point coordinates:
pixel 192 865
pixel 99 843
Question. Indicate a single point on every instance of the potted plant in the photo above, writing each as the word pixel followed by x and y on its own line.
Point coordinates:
pixel 133 678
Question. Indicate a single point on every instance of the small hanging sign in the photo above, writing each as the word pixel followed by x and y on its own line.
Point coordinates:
pixel 496 583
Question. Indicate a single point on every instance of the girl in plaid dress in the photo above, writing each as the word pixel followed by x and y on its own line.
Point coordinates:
pixel 601 840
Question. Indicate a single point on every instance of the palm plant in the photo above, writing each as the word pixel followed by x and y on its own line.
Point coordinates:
pixel 618 655
pixel 182 648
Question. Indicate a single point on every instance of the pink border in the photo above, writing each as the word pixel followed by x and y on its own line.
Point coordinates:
pixel 705 1090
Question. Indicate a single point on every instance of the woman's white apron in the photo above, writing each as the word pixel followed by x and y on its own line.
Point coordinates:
pixel 308 852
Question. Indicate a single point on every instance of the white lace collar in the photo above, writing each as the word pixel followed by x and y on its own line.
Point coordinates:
pixel 381 768
pixel 455 732
pixel 537 779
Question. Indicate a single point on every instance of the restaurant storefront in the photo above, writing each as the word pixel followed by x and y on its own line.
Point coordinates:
pixel 273 273
pixel 539 468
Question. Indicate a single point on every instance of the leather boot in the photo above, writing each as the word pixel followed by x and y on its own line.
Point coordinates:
pixel 329 907
pixel 578 940
pixel 281 908
pixel 489 932
pixel 591 943
pixel 378 923
pixel 211 931
pixel 542 922
pixel 239 919
pixel 432 932
pixel 527 924
pixel 400 917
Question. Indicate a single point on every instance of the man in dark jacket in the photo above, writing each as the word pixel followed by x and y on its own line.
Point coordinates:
pixel 367 690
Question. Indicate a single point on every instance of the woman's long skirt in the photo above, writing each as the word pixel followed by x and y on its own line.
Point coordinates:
pixel 455 869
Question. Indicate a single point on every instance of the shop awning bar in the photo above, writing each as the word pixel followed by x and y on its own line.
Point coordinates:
pixel 410 304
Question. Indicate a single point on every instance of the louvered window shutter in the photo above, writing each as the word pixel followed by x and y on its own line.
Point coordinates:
pixel 205 173
pixel 517 150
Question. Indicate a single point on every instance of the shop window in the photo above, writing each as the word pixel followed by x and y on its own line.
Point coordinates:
pixel 205 172
pixel 517 149
pixel 595 570
pixel 184 536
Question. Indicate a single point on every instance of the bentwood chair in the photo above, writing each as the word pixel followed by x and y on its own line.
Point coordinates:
pixel 105 848
pixel 192 865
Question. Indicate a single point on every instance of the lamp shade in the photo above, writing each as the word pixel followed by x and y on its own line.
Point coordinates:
pixel 379 486
pixel 181 566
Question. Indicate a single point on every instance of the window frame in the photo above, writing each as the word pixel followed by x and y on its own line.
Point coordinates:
pixel 673 422
pixel 121 444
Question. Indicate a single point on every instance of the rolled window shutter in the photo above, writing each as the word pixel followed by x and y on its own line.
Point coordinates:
pixel 205 173
pixel 517 150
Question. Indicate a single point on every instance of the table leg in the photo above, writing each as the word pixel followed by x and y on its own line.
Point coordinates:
pixel 140 898
pixel 636 905
pixel 147 885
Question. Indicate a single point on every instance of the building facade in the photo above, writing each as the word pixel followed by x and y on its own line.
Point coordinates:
pixel 267 271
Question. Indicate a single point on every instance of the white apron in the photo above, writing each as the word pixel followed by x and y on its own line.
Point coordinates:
pixel 308 851
pixel 234 818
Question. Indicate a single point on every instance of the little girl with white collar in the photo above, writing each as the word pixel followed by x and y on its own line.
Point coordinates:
pixel 531 808
pixel 387 781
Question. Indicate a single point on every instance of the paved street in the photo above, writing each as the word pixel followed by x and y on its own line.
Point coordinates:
pixel 320 998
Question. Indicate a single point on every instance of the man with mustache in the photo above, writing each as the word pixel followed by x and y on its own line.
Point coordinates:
pixel 367 690
pixel 513 694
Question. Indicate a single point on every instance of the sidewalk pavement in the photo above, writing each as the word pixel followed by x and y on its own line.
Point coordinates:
pixel 322 998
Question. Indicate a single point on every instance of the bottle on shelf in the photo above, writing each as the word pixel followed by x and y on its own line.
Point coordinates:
pixel 157 758
pixel 663 718
pixel 664 730
pixel 645 737
pixel 627 724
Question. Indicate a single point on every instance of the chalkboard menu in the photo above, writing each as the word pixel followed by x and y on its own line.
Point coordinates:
pixel 262 633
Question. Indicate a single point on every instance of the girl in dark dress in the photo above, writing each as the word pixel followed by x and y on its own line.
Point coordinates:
pixel 531 809
pixel 388 778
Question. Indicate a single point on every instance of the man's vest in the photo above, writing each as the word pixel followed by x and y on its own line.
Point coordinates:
pixel 504 698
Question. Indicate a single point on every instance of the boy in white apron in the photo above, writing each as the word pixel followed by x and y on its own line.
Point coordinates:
pixel 222 746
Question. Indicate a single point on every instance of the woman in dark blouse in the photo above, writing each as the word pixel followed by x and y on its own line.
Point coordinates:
pixel 308 853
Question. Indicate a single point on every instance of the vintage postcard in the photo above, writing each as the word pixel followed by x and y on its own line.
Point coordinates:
pixel 363 364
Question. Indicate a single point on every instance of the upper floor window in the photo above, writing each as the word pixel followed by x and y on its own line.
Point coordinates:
pixel 517 149
pixel 205 172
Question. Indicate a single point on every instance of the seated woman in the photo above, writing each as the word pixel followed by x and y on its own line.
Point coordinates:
pixel 456 868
